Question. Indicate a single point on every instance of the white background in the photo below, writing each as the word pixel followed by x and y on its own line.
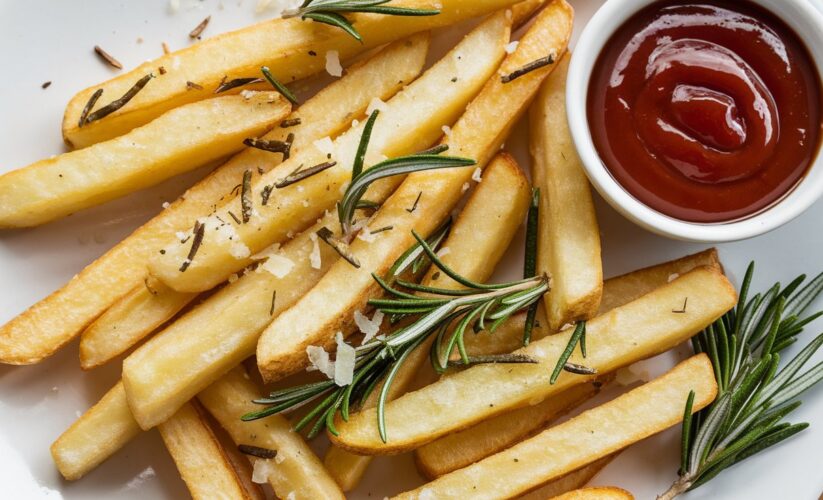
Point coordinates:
pixel 44 40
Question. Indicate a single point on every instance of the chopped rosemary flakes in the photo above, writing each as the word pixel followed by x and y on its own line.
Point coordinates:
pixel 382 229
pixel 193 86
pixel 534 65
pixel 339 246
pixel 199 232
pixel 273 300
pixel 256 451
pixel 292 122
pixel 272 145
pixel 107 58
pixel 266 194
pixel 87 117
pixel 46 85
pixel 233 84
pixel 236 219
pixel 198 30
pixel 682 310
pixel 299 174
pixel 416 201
pixel 495 358
pixel 246 203
pixel 579 369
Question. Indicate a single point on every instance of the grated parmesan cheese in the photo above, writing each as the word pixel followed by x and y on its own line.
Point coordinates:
pixel 319 361
pixel 247 94
pixel 370 327
pixel 673 277
pixel 262 470
pixel 180 235
pixel 314 257
pixel 444 252
pixel 333 66
pixel 239 250
pixel 278 265
pixel 465 188
pixel 510 48
pixel 325 145
pixel 447 130
pixel 344 362
pixel 366 235
pixel 477 175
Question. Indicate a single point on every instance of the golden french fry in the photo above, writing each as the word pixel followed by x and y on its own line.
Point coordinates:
pixel 460 449
pixel 570 481
pixel 410 121
pixel 568 247
pixel 214 337
pixel 129 321
pixel 56 187
pixel 590 436
pixel 316 318
pixel 457 450
pixel 55 320
pixel 599 493
pixel 94 437
pixel 477 241
pixel 292 49
pixel 296 469
pixel 623 289
pixel 200 459
pixel 638 330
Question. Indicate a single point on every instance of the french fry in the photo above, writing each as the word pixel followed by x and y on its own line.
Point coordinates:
pixel 292 49
pixel 129 321
pixel 477 241
pixel 214 337
pixel 570 481
pixel 55 320
pixel 296 469
pixel 599 493
pixel 638 330
pixel 56 187
pixel 623 289
pixel 410 121
pixel 568 245
pixel 199 456
pixel 470 445
pixel 460 449
pixel 590 436
pixel 617 291
pixel 316 318
pixel 94 437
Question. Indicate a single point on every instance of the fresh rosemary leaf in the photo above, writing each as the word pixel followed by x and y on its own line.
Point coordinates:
pixel 199 233
pixel 284 91
pixel 330 12
pixel 754 395
pixel 299 174
pixel 496 358
pixel 339 246
pixel 225 86
pixel 530 261
pixel 396 166
pixel 578 332
pixel 363 146
pixel 87 117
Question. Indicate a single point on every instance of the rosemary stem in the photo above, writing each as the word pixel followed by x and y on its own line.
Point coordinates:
pixel 679 487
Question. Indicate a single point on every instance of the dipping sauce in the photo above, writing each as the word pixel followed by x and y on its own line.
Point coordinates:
pixel 705 111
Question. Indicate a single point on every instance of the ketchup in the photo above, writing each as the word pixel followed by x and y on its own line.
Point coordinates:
pixel 706 112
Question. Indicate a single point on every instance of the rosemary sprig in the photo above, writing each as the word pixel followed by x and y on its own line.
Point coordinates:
pixel 331 12
pixel 362 179
pixel 530 262
pixel 434 314
pixel 753 395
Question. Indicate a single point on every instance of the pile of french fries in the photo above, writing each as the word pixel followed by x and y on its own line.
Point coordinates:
pixel 265 290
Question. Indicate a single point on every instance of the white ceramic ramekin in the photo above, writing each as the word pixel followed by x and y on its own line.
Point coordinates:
pixel 800 15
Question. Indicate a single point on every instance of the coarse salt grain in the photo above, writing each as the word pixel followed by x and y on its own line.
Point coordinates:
pixel 247 94
pixel 447 131
pixel 333 66
pixel 673 277
pixel 510 48
pixel 278 265
pixel 238 250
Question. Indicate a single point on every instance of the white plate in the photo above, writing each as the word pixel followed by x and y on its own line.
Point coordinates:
pixel 52 40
